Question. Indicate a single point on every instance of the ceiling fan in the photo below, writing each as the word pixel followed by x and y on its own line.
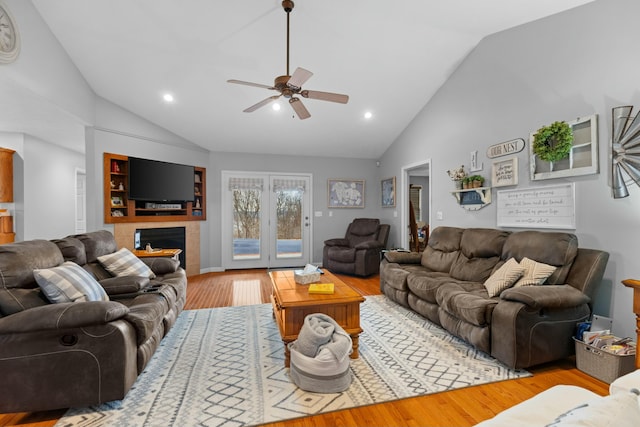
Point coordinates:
pixel 291 85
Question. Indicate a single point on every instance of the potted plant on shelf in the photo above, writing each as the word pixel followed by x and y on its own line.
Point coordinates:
pixel 552 143
pixel 477 181
pixel 466 182
pixel 457 175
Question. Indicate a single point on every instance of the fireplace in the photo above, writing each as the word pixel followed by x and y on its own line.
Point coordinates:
pixel 162 238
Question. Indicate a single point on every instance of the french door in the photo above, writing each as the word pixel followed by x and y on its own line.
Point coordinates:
pixel 266 220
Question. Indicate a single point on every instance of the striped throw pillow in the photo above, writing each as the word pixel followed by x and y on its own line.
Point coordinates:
pixel 124 263
pixel 69 283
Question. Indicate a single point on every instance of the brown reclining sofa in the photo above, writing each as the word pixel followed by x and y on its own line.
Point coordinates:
pixel 74 354
pixel 521 326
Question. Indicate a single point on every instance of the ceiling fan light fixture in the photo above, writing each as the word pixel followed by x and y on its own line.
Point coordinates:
pixel 290 85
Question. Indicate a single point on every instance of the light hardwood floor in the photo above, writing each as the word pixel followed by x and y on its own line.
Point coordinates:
pixel 462 407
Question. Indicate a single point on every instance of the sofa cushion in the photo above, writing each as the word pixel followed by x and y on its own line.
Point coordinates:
pixel 504 277
pixel 467 301
pixel 97 243
pixel 342 254
pixel 553 248
pixel 69 283
pixel 72 250
pixel 442 249
pixel 425 284
pixel 18 260
pixel 535 273
pixel 480 250
pixel 125 263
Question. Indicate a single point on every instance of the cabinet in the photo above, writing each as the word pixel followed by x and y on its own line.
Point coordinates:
pixel 6 175
pixel 119 208
pixel 6 195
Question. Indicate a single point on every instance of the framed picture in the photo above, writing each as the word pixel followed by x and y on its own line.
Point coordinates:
pixel 345 193
pixel 116 201
pixel 388 187
pixel 504 172
pixel 582 158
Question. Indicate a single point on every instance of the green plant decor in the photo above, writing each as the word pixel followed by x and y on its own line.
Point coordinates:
pixel 552 143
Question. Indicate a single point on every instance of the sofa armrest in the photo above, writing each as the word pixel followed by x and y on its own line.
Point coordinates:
pixel 403 257
pixel 371 244
pixel 122 285
pixel 161 265
pixel 337 242
pixel 546 296
pixel 63 316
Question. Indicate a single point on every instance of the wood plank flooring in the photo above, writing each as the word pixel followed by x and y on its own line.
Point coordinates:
pixel 462 407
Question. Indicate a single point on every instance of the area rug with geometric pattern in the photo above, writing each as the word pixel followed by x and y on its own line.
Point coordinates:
pixel 225 367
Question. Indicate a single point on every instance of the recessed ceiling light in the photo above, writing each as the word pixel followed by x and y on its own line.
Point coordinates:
pixel 276 106
pixel 368 115
pixel 167 97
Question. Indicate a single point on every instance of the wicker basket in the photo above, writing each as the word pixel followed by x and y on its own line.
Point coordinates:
pixel 601 364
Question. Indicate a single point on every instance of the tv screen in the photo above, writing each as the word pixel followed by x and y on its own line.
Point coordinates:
pixel 156 181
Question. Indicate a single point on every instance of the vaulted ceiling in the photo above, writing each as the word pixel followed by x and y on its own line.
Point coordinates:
pixel 390 57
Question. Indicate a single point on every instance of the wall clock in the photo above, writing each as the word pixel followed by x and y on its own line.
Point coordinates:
pixel 9 37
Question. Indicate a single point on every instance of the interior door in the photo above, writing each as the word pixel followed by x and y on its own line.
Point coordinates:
pixel 265 220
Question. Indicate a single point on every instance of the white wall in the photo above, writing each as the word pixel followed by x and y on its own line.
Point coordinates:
pixel 321 168
pixel 49 189
pixel 572 64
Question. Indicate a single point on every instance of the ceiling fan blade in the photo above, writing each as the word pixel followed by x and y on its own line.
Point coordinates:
pixel 299 108
pixel 261 104
pixel 240 82
pixel 299 77
pixel 325 96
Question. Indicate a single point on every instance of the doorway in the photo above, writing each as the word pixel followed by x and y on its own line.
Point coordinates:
pixel 265 220
pixel 80 201
pixel 416 175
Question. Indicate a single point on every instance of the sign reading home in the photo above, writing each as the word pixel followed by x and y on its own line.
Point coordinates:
pixel 505 148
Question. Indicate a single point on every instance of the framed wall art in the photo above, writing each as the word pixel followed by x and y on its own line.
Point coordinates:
pixel 388 191
pixel 581 158
pixel 504 172
pixel 345 193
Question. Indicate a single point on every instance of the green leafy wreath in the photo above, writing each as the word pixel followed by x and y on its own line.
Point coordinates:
pixel 552 143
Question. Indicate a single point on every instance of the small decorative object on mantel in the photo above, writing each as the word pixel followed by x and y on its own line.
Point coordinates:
pixel 457 175
pixel 553 142
pixel 625 149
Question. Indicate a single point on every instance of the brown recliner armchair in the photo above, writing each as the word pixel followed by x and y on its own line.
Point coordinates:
pixel 358 253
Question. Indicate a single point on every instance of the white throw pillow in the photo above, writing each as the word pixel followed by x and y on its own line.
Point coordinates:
pixel 69 283
pixel 617 410
pixel 535 273
pixel 125 263
pixel 504 277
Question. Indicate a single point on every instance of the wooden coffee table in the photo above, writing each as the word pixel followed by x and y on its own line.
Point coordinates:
pixel 292 303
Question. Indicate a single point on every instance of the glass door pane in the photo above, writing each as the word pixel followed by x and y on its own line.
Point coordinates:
pixel 246 224
pixel 288 224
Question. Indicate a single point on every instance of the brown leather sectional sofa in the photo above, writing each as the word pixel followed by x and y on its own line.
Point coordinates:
pixel 521 326
pixel 79 353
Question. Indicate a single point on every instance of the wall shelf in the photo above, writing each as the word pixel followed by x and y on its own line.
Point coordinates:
pixel 473 199
pixel 119 208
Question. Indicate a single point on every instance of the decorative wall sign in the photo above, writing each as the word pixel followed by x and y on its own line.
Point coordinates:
pixel 504 172
pixel 551 206
pixel 505 148
pixel 583 156
pixel 345 193
pixel 388 187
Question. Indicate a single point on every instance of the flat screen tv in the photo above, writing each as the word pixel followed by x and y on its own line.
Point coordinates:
pixel 155 181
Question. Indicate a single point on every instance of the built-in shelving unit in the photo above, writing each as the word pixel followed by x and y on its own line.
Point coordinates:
pixel 118 208
pixel 473 199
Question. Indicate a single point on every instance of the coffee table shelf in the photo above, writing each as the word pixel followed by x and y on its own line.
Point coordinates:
pixel 292 303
